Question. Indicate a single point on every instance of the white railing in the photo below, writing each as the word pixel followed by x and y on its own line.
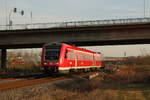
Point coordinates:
pixel 76 24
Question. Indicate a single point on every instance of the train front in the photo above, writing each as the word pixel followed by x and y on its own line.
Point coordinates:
pixel 50 57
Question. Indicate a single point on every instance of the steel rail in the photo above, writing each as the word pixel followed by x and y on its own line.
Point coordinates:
pixel 29 81
pixel 26 82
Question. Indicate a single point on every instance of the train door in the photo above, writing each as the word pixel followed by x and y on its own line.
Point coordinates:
pixel 81 59
pixel 94 60
pixel 97 59
pixel 70 58
pixel 78 59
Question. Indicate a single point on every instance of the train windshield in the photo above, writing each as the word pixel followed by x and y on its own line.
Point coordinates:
pixel 52 53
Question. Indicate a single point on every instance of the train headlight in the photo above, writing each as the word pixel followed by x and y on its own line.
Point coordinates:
pixel 45 63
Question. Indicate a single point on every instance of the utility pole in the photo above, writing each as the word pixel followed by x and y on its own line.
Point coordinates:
pixel 31 15
pixel 6 9
pixel 125 54
pixel 144 9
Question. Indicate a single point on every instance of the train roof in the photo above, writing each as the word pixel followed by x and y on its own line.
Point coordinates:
pixel 71 46
pixel 77 48
pixel 53 43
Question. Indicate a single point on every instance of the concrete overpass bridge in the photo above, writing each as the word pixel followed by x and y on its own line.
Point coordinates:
pixel 81 33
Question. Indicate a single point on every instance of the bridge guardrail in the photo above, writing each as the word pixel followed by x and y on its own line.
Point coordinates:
pixel 75 24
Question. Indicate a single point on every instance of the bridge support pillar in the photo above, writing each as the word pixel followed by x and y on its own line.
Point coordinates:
pixel 3 58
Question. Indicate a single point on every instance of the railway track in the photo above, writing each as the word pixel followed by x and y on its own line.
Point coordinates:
pixel 22 81
pixel 11 83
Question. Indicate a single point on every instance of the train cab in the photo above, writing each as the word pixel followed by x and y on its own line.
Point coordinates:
pixel 50 56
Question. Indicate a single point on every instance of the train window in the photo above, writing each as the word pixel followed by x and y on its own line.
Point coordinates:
pixel 70 54
pixel 97 57
pixel 84 56
pixel 79 56
pixel 52 53
pixel 66 54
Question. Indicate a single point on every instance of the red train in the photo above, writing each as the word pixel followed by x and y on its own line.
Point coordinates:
pixel 61 57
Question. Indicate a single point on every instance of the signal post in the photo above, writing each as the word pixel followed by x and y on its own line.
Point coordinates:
pixel 3 54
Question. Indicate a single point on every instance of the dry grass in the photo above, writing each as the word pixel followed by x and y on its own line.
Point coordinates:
pixel 24 65
pixel 20 71
pixel 80 89
pixel 140 60
pixel 131 74
pixel 129 82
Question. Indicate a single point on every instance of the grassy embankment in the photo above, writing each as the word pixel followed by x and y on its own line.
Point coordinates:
pixel 131 81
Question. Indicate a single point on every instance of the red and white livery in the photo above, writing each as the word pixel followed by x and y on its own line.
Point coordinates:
pixel 60 57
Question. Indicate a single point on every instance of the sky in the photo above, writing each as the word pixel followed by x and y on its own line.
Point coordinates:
pixel 45 11
pixel 72 10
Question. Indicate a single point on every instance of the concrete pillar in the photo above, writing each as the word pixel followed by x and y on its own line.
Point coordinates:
pixel 3 58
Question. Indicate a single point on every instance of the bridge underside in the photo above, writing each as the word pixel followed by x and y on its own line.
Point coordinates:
pixel 91 43
pixel 81 43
